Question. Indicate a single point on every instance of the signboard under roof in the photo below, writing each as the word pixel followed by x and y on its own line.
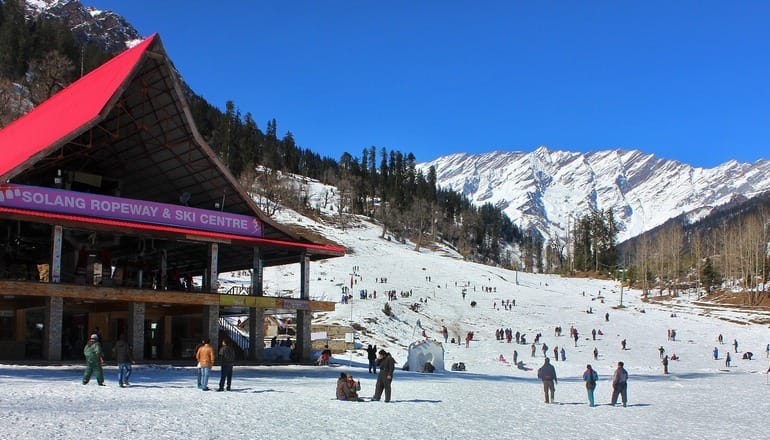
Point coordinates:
pixel 100 206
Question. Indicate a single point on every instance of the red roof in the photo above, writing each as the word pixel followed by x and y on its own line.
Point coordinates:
pixel 67 112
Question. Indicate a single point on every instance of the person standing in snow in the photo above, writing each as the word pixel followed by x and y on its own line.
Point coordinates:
pixel 385 378
pixel 590 377
pixel 735 344
pixel 371 352
pixel 547 373
pixel 716 353
pixel 94 360
pixel 596 353
pixel 533 350
pixel 124 357
pixel 665 364
pixel 227 360
pixel 727 359
pixel 619 385
pixel 563 355
pixel 205 358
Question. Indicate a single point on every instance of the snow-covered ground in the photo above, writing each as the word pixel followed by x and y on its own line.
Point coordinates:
pixel 700 398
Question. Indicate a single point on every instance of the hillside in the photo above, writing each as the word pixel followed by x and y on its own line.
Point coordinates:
pixel 700 398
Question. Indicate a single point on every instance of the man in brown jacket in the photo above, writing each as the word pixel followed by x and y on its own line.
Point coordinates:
pixel 205 357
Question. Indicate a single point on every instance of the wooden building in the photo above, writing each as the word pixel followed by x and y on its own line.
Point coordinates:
pixel 111 204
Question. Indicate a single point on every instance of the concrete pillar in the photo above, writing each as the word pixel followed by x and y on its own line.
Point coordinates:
pixel 58 233
pixel 211 324
pixel 304 344
pixel 213 268
pixel 304 317
pixel 135 327
pixel 257 315
pixel 54 313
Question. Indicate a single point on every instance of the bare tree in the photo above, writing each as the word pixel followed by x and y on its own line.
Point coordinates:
pixel 696 251
pixel 420 215
pixel 268 191
pixel 48 75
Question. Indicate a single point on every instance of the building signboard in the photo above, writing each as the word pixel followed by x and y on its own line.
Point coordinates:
pixel 116 208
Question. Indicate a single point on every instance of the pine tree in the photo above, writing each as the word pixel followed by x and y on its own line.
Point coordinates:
pixel 709 276
pixel 14 41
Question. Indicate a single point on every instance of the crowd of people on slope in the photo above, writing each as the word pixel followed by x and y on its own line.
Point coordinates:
pixel 348 388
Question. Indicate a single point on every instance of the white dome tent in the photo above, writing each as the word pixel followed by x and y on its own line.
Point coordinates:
pixel 424 351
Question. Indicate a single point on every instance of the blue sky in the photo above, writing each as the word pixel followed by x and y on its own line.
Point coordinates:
pixel 685 80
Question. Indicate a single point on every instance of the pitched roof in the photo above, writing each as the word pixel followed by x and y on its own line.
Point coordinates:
pixel 67 113
pixel 128 124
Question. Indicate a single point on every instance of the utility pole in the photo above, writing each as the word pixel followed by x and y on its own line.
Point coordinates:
pixel 622 279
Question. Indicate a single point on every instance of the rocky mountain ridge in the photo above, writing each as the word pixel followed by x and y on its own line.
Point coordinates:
pixel 549 189
pixel 107 29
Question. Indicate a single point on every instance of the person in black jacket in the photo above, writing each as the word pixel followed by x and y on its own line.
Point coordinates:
pixel 387 367
pixel 372 353
pixel 227 359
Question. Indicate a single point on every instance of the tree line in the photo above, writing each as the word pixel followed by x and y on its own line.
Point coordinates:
pixel 384 185
pixel 726 250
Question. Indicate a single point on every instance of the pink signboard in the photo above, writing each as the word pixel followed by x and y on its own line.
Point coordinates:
pixel 95 205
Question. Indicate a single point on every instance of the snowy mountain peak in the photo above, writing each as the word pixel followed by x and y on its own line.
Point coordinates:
pixel 548 189
pixel 107 29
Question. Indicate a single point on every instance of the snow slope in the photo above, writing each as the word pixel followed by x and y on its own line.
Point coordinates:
pixel 700 398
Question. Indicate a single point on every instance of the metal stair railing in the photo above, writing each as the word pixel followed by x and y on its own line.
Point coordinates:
pixel 235 334
pixel 239 290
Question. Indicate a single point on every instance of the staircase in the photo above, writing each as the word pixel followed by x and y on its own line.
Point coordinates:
pixel 234 333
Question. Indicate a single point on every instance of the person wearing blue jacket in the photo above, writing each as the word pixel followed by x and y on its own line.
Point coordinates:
pixel 590 377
